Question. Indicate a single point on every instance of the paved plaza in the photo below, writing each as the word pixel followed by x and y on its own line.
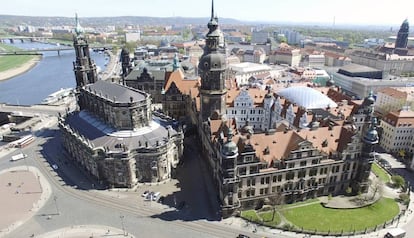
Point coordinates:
pixel 87 231
pixel 24 191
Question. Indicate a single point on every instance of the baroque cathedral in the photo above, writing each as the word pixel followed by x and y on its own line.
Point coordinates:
pixel 114 134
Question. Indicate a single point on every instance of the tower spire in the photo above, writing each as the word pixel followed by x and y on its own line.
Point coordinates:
pixel 212 9
pixel 78 27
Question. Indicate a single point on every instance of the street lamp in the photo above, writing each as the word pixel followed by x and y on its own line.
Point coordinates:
pixel 57 208
pixel 123 227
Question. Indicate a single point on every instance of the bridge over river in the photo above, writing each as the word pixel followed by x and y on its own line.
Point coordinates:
pixel 37 51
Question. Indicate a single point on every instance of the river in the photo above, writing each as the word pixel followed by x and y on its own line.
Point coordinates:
pixel 52 73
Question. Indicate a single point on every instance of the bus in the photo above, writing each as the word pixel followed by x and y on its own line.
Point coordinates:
pixel 22 142
pixel 18 157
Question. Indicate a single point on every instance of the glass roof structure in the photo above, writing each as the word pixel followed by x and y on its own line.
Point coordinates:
pixel 306 97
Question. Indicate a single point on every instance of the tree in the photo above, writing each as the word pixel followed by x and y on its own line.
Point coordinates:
pixel 130 46
pixel 348 190
pixel 275 199
pixel 398 181
pixel 376 187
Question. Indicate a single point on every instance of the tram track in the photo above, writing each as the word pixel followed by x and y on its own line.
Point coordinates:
pixel 127 207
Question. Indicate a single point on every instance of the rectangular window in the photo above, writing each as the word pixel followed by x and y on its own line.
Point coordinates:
pixel 313 172
pixel 248 158
pixel 290 175
pixel 242 171
pixel 303 163
pixel 279 178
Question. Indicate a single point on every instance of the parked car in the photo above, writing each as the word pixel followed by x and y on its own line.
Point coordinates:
pixel 149 196
pixel 155 196
pixel 395 233
pixel 54 166
pixel 161 199
pixel 145 193
pixel 243 236
pixel 384 163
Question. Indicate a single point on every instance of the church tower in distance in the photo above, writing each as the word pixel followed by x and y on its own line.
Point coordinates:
pixel 84 67
pixel 212 69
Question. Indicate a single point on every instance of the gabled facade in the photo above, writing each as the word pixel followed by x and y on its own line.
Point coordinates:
pixel 261 144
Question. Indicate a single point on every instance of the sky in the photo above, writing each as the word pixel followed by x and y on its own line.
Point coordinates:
pixel 361 12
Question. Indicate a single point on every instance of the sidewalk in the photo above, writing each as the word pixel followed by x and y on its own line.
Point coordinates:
pixel 86 231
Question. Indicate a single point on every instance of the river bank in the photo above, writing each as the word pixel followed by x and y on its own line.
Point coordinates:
pixel 10 73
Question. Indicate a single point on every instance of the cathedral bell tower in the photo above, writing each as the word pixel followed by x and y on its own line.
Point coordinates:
pixel 84 67
pixel 212 69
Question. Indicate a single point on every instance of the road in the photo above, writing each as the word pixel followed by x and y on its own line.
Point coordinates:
pixel 35 109
pixel 79 205
pixel 400 168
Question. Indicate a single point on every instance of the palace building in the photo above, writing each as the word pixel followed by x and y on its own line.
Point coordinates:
pixel 296 143
pixel 114 134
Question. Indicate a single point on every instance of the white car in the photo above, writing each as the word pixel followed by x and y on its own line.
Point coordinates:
pixel 54 166
pixel 145 194
pixel 155 196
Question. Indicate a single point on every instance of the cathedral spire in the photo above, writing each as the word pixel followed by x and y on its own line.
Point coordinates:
pixel 212 10
pixel 78 28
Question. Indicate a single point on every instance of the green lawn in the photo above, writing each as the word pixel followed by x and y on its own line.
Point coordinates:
pixel 315 216
pixel 250 215
pixel 7 48
pixel 380 172
pixel 286 206
pixel 13 61
pixel 267 218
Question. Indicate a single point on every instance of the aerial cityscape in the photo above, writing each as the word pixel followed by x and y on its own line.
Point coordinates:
pixel 166 123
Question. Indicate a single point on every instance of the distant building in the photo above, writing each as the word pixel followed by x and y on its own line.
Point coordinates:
pixel 243 71
pixel 150 76
pixel 361 87
pixel 355 70
pixel 336 59
pixel 392 64
pixel 259 37
pixel 316 60
pixel 132 36
pixel 402 37
pixel 285 54
pixel 257 56
pixel 292 37
pixel 389 100
pixel 397 131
